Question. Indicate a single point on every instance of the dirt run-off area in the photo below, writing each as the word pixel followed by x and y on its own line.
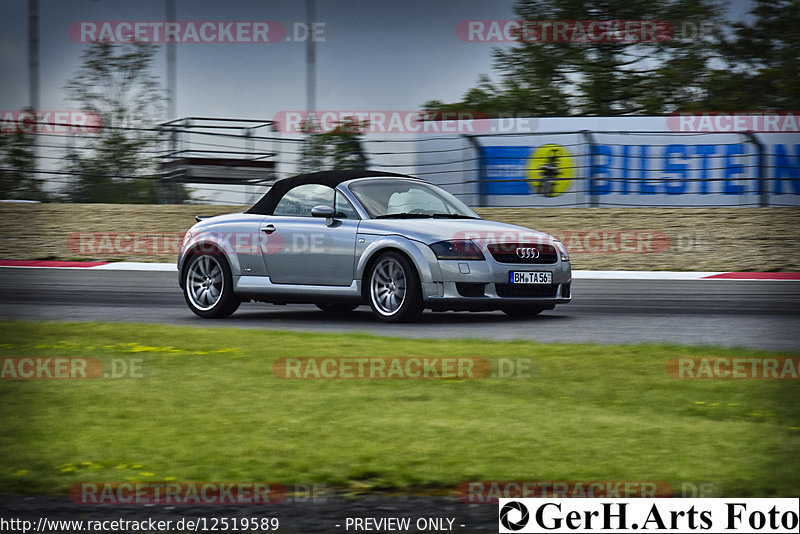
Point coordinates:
pixel 680 239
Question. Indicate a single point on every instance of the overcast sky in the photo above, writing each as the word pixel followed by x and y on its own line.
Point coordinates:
pixel 376 54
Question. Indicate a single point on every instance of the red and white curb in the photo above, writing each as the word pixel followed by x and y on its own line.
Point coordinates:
pixel 101 265
pixel 680 275
pixel 576 274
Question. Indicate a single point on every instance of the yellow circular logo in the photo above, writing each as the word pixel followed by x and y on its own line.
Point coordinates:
pixel 550 170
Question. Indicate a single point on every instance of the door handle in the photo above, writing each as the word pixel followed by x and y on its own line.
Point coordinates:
pixel 268 229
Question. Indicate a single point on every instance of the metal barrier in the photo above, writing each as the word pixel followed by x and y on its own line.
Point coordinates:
pixel 218 160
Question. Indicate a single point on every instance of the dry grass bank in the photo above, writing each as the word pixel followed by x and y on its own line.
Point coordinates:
pixel 737 239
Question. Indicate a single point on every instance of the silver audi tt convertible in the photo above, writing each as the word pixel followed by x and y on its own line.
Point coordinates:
pixel 340 239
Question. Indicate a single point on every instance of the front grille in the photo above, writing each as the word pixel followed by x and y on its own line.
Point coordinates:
pixel 507 253
pixel 466 289
pixel 526 290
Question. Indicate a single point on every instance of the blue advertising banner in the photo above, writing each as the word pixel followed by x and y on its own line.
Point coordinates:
pixel 709 172
pixel 505 170
pixel 716 159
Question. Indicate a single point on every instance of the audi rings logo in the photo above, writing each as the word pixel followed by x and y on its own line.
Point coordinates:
pixel 523 515
pixel 527 253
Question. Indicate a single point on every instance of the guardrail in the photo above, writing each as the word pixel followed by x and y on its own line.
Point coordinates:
pixel 226 161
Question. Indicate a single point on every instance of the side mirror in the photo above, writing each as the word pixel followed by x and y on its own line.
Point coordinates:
pixel 325 212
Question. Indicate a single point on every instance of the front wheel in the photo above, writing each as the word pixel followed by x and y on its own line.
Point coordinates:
pixel 208 286
pixel 395 293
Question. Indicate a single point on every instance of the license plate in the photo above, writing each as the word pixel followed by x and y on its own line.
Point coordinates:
pixel 517 277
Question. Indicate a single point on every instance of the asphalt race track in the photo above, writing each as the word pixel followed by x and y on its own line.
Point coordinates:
pixel 756 314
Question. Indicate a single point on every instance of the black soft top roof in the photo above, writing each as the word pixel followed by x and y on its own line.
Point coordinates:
pixel 266 205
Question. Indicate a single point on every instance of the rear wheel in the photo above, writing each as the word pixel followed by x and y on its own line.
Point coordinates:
pixel 395 293
pixel 208 286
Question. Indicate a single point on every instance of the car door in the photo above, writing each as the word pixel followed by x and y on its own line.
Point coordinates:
pixel 314 250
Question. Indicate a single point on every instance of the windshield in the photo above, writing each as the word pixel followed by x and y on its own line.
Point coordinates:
pixel 406 199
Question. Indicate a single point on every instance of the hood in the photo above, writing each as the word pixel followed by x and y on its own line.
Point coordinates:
pixel 431 231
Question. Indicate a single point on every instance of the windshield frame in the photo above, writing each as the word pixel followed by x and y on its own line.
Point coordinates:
pixel 456 206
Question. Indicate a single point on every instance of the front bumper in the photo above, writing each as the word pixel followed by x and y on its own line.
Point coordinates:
pixel 484 285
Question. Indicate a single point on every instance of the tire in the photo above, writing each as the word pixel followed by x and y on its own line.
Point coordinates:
pixel 336 307
pixel 208 286
pixel 522 311
pixel 393 289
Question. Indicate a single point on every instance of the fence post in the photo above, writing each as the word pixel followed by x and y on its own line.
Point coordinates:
pixel 587 136
pixel 473 140
pixel 763 194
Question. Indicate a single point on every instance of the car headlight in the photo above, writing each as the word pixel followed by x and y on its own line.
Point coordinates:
pixel 462 249
pixel 562 250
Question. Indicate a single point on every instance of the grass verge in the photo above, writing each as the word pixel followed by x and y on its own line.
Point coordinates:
pixel 210 408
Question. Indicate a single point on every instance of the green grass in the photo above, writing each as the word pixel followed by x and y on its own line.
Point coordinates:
pixel 211 409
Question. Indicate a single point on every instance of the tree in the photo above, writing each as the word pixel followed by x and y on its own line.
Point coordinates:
pixel 17 165
pixel 762 67
pixel 597 77
pixel 312 154
pixel 338 148
pixel 345 142
pixel 117 164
